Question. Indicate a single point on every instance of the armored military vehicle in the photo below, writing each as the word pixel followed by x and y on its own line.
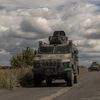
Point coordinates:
pixel 56 60
pixel 94 67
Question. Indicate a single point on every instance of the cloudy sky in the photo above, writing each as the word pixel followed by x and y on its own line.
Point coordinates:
pixel 24 22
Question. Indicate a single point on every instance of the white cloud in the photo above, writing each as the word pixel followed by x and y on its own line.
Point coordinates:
pixel 12 4
pixel 3 52
pixel 23 24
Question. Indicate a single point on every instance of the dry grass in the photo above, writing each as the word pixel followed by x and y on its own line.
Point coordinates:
pixel 10 78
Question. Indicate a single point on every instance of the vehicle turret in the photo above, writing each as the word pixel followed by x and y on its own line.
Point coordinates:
pixel 58 37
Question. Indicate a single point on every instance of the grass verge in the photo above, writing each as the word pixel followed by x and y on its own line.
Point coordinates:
pixel 11 78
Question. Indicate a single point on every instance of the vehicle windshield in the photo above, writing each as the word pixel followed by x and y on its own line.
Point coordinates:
pixel 46 49
pixel 62 49
pixel 54 49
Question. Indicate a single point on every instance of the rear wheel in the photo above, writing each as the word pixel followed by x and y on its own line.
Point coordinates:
pixel 78 70
pixel 75 79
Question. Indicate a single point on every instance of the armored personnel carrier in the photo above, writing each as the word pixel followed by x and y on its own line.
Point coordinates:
pixel 56 60
pixel 94 67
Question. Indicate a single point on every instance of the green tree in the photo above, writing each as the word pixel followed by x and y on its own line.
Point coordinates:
pixel 23 59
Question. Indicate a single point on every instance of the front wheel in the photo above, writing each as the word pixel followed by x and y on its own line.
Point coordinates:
pixel 37 80
pixel 48 81
pixel 69 78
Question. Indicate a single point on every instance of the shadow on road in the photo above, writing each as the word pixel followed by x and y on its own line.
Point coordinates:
pixel 54 84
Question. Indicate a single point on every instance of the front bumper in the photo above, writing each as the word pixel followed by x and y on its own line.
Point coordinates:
pixel 52 71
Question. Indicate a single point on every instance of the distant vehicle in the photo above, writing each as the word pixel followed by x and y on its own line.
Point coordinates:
pixel 56 60
pixel 94 67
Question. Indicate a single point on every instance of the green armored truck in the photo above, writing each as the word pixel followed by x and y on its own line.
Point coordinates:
pixel 56 60
pixel 94 67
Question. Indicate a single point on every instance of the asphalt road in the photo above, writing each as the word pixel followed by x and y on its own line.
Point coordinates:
pixel 88 88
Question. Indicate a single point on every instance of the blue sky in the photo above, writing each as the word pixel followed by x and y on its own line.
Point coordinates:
pixel 98 4
pixel 23 23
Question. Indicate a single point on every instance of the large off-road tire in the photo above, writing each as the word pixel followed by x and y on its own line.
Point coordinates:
pixel 37 80
pixel 75 79
pixel 70 78
pixel 48 81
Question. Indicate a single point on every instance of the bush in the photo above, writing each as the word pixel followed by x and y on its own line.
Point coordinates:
pixel 23 59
